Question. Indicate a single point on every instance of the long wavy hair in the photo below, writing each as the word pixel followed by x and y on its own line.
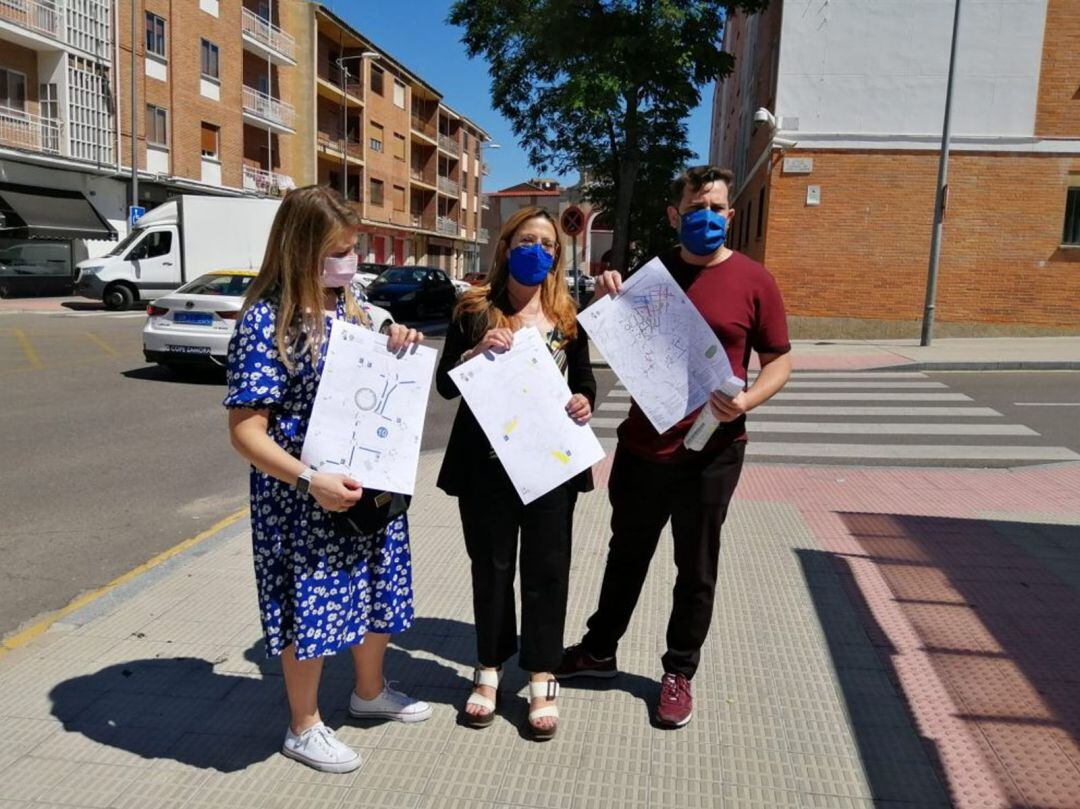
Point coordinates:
pixel 310 221
pixel 489 304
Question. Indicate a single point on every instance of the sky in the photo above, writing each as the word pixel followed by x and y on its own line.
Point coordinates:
pixel 415 32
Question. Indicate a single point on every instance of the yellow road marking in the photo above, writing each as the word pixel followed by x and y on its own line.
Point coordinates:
pixel 27 347
pixel 31 632
pixel 102 344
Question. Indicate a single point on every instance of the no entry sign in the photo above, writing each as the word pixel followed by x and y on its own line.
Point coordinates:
pixel 573 221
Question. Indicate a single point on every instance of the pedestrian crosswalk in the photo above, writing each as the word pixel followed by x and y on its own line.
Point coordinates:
pixel 876 417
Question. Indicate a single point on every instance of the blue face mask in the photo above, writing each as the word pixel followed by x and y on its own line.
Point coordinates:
pixel 530 264
pixel 703 231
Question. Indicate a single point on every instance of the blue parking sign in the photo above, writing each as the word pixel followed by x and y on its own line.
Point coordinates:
pixel 135 212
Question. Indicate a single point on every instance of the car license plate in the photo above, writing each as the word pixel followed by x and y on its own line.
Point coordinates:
pixel 194 318
pixel 188 349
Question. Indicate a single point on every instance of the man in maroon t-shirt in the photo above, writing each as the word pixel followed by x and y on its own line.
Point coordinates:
pixel 654 478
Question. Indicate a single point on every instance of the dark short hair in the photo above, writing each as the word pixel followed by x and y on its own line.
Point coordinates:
pixel 698 176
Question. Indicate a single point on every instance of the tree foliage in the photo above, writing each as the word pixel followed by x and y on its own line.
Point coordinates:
pixel 603 86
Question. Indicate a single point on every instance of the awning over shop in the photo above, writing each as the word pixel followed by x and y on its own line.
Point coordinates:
pixel 27 212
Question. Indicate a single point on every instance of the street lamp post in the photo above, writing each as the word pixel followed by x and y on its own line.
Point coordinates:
pixel 344 72
pixel 941 194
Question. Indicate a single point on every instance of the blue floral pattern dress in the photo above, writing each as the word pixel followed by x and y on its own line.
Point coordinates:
pixel 318 587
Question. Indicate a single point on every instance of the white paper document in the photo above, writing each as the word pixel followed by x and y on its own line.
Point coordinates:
pixel 368 416
pixel 659 346
pixel 519 398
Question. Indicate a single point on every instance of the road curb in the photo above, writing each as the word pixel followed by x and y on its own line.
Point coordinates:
pixel 121 588
pixel 1004 365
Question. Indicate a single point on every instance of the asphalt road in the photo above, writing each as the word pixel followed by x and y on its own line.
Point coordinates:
pixel 109 461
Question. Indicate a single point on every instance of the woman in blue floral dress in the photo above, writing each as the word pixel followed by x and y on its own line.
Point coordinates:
pixel 321 588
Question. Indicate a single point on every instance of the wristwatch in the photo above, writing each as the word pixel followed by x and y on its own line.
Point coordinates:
pixel 303 483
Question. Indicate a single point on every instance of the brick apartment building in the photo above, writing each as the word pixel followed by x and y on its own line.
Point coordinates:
pixel 240 98
pixel 837 197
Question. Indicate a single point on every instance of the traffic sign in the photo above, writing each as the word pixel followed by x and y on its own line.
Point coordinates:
pixel 135 212
pixel 573 221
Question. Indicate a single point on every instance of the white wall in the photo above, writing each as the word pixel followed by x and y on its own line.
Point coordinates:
pixel 879 67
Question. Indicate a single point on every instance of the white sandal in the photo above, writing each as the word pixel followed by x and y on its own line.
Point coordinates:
pixel 490 678
pixel 549 690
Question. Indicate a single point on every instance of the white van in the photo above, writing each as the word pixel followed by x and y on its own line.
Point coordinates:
pixel 176 242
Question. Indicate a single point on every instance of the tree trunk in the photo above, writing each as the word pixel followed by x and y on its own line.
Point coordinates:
pixel 629 161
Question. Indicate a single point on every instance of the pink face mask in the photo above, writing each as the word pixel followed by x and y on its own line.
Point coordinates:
pixel 338 271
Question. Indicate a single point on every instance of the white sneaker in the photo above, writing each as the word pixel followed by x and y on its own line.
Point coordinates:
pixel 320 749
pixel 390 704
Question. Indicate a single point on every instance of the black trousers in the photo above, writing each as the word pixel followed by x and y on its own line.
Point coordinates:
pixel 644 496
pixel 491 521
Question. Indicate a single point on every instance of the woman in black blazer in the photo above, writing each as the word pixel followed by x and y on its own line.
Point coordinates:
pixel 526 287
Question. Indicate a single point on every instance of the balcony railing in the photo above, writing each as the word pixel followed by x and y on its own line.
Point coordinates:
pixel 262 31
pixel 422 175
pixel 449 144
pixel 42 16
pixel 267 182
pixel 259 103
pixel 335 75
pixel 425 126
pixel 446 226
pixel 449 187
pixel 25 131
pixel 482 235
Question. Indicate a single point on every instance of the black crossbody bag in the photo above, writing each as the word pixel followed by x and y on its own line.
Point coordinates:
pixel 371 513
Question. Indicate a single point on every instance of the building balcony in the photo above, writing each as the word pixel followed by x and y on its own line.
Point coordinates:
pixel 420 175
pixel 262 38
pixel 449 145
pixel 482 235
pixel 340 79
pixel 22 130
pixel 268 112
pixel 446 226
pixel 267 182
pixel 424 126
pixel 42 17
pixel 331 141
pixel 449 187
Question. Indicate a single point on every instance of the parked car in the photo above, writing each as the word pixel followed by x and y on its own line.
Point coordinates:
pixel 460 285
pixel 475 278
pixel 368 271
pixel 193 324
pixel 418 292
pixel 36 268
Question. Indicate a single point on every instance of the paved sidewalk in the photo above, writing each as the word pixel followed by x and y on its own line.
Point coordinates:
pixel 882 637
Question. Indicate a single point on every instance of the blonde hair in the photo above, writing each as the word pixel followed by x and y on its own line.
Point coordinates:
pixel 490 304
pixel 310 221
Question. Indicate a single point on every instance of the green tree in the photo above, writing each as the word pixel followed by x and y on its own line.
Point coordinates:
pixel 603 86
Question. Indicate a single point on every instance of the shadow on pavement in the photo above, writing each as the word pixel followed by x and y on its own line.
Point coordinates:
pixel 994 605
pixel 898 763
pixel 182 709
pixel 181 375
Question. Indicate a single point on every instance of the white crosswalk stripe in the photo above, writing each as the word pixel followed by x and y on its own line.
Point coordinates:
pixel 899 418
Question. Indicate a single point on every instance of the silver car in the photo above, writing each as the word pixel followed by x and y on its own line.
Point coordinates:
pixel 193 325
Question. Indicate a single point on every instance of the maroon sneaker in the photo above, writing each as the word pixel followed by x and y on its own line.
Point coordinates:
pixel 576 662
pixel 676 705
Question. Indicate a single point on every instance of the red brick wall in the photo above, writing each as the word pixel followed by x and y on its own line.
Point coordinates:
pixel 1058 110
pixel 864 251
